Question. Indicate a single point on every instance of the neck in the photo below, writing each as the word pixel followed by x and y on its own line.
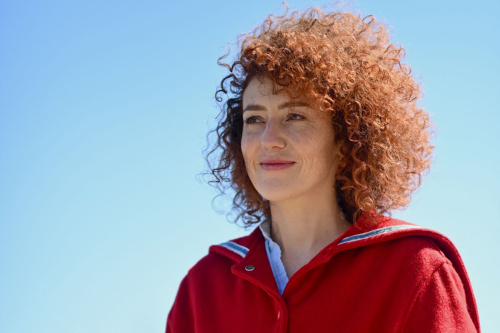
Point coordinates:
pixel 304 226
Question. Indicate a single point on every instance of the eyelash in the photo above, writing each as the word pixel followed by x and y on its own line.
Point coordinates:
pixel 248 120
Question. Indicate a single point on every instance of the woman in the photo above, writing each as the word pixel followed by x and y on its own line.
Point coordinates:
pixel 322 137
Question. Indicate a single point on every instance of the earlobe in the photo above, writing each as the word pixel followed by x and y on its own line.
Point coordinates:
pixel 336 150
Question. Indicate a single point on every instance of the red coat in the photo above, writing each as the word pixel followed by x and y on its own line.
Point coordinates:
pixel 392 277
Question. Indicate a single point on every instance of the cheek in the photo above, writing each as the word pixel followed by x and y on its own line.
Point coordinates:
pixel 246 147
pixel 306 139
pixel 318 147
pixel 248 140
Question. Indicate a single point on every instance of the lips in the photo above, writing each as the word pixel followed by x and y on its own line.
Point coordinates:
pixel 276 164
pixel 276 161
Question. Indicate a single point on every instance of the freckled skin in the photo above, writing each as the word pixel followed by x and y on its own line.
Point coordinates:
pixel 307 139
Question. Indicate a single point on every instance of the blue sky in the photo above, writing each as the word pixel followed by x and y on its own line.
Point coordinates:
pixel 104 110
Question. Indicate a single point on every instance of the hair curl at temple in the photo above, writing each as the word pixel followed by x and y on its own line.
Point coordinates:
pixel 346 63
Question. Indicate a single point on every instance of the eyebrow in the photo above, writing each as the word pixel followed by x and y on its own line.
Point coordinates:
pixel 256 107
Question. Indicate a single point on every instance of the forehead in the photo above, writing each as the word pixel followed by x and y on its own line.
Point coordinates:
pixel 261 93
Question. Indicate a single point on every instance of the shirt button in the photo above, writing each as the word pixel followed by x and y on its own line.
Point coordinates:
pixel 279 313
pixel 249 268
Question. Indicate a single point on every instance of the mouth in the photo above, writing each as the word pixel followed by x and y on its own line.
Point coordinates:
pixel 276 166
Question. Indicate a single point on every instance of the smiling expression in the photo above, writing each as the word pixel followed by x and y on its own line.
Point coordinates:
pixel 278 130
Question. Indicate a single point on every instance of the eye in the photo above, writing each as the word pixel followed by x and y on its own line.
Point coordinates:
pixel 250 120
pixel 295 116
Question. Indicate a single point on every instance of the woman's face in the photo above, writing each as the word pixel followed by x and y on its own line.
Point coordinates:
pixel 276 129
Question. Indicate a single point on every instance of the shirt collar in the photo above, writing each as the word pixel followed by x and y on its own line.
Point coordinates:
pixel 265 227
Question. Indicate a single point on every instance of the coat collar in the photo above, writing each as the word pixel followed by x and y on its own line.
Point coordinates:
pixel 359 234
pixel 252 264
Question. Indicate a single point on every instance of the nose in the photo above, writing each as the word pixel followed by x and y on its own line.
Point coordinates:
pixel 273 136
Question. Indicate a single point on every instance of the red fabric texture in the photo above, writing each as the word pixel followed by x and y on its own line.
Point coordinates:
pixel 397 277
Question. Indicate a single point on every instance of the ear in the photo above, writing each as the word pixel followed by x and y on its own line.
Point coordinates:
pixel 336 148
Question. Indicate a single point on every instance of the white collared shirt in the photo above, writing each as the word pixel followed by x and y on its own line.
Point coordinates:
pixel 274 255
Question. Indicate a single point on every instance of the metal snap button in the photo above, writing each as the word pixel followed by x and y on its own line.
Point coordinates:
pixel 249 268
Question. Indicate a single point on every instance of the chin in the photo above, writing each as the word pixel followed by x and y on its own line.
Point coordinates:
pixel 276 194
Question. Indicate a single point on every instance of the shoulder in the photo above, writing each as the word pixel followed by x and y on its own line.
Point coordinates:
pixel 210 279
pixel 403 244
pixel 419 256
pixel 417 248
pixel 401 236
pixel 426 257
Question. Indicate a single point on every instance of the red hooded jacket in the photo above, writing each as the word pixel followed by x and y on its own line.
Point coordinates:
pixel 390 277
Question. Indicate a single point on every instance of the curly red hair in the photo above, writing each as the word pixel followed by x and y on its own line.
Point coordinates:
pixel 346 64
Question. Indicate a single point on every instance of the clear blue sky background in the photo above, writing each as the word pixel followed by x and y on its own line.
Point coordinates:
pixel 104 109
